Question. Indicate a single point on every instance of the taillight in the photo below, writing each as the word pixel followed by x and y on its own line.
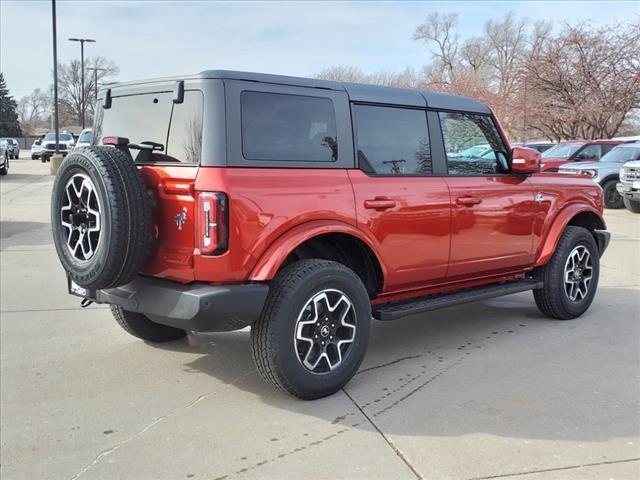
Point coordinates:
pixel 212 223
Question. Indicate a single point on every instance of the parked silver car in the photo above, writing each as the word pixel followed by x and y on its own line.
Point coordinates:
pixel 4 156
pixel 13 147
pixel 606 171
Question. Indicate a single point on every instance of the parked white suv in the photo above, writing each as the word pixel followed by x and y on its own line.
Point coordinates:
pixel 65 142
pixel 629 186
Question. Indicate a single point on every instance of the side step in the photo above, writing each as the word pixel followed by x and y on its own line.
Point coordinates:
pixel 396 310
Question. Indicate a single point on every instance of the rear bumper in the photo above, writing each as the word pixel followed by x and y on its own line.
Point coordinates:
pixel 602 239
pixel 198 307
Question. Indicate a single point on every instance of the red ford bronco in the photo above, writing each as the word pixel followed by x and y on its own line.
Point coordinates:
pixel 304 208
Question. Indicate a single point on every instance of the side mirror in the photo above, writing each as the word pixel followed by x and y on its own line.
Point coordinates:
pixel 525 160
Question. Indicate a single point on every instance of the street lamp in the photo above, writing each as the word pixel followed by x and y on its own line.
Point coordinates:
pixel 82 40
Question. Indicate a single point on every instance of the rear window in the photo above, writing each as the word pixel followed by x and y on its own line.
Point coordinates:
pixel 288 127
pixel 155 118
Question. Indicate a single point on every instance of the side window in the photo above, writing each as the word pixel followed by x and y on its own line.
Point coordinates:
pixel 590 152
pixel 392 141
pixel 288 127
pixel 184 142
pixel 472 144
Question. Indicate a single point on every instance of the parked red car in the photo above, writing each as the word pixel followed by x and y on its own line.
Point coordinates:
pixel 575 151
pixel 303 208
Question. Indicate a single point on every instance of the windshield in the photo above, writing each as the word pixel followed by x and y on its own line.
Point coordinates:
pixel 562 151
pixel 85 137
pixel 63 137
pixel 622 154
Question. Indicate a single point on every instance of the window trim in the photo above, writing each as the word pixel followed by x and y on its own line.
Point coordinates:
pixel 233 135
pixel 397 107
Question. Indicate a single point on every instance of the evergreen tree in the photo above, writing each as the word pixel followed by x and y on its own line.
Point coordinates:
pixel 9 125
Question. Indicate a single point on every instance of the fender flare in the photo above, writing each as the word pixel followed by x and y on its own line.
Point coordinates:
pixel 555 231
pixel 274 256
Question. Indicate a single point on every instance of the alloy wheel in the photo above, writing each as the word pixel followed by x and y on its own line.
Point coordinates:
pixel 578 272
pixel 80 217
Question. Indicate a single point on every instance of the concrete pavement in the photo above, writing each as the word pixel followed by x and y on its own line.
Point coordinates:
pixel 485 390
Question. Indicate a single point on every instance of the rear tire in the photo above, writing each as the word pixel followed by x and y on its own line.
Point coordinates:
pixel 314 328
pixel 566 292
pixel 140 326
pixel 612 199
pixel 632 205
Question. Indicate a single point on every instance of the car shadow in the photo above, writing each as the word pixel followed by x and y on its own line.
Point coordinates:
pixel 14 234
pixel 496 367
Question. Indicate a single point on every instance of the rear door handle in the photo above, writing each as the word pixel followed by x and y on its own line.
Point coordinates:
pixel 468 200
pixel 380 203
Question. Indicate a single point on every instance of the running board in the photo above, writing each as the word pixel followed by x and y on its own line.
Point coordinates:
pixel 396 310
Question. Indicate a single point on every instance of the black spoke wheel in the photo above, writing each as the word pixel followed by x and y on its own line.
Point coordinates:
pixel 612 199
pixel 570 278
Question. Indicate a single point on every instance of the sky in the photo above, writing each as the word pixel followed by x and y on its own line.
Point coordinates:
pixel 154 39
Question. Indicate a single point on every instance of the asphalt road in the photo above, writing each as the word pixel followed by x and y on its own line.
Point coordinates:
pixel 485 390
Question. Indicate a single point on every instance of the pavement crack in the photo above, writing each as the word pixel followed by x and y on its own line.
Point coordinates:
pixel 110 450
pixel 388 364
pixel 397 451
pixel 556 469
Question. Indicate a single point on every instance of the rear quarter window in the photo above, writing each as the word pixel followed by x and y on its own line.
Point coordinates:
pixel 283 127
pixel 153 117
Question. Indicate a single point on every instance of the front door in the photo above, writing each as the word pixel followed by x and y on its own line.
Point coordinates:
pixel 398 201
pixel 493 211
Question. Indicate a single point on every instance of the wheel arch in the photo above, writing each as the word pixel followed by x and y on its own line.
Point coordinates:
pixel 578 215
pixel 326 240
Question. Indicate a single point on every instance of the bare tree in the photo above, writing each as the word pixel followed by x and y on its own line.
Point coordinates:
pixel 441 30
pixel 70 85
pixel 34 110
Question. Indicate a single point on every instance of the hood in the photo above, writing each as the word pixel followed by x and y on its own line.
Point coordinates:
pixel 580 165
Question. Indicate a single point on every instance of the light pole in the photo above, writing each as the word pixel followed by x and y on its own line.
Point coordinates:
pixel 55 73
pixel 82 40
pixel 95 79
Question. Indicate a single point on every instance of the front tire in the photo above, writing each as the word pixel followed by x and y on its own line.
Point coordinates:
pixel 5 168
pixel 140 326
pixel 612 199
pixel 314 329
pixel 570 279
pixel 632 205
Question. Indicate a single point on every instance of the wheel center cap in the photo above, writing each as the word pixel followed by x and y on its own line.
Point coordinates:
pixel 324 331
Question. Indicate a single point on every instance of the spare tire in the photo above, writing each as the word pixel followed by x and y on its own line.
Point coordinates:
pixel 100 217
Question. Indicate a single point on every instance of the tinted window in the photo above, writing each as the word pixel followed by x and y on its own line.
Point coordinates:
pixel 145 118
pixel 564 150
pixel 473 145
pixel 288 127
pixel 185 133
pixel 392 141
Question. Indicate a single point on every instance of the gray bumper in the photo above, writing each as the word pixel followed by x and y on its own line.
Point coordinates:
pixel 198 307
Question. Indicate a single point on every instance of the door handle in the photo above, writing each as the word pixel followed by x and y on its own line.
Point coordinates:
pixel 380 203
pixel 468 201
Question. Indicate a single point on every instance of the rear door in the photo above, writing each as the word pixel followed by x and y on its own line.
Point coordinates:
pixel 493 210
pixel 169 172
pixel 398 199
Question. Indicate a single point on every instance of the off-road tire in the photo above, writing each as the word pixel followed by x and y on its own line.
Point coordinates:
pixel 4 169
pixel 272 335
pixel 612 199
pixel 140 326
pixel 632 205
pixel 126 233
pixel 552 299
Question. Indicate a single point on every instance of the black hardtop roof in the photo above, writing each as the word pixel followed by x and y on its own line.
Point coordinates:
pixel 357 92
